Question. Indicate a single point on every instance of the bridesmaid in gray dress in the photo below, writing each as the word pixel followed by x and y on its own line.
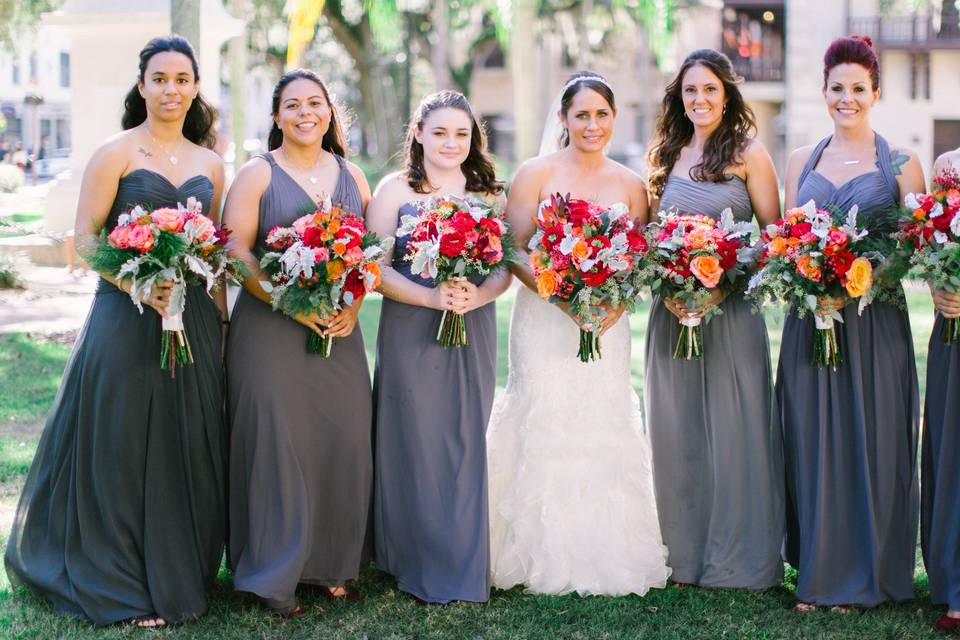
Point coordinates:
pixel 300 450
pixel 432 403
pixel 123 515
pixel 717 453
pixel 850 435
pixel 940 497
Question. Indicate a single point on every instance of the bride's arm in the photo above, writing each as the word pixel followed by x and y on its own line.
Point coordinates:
pixel 522 203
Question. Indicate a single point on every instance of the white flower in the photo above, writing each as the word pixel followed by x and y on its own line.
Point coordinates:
pixel 298 260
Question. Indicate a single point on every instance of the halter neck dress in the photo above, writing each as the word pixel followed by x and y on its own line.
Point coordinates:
pixel 850 435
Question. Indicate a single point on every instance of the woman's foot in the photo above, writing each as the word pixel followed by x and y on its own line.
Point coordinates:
pixel 288 614
pixel 147 622
pixel 804 607
pixel 341 593
pixel 948 623
pixel 842 609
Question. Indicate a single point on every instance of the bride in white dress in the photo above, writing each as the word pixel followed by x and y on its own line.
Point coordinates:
pixel 571 486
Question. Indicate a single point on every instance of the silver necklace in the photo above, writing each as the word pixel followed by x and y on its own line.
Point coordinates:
pixel 172 157
pixel 851 162
pixel 311 178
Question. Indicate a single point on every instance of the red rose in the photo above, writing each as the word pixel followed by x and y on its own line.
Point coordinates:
pixel 313 237
pixel 637 242
pixel 800 229
pixel 492 225
pixel 596 276
pixel 462 221
pixel 840 262
pixel 451 244
pixel 354 284
pixel 727 252
pixel 551 236
pixel 578 212
pixel 941 222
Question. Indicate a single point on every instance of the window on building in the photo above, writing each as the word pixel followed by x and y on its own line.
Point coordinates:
pixel 64 69
pixel 33 65
pixel 946 136
pixel 15 72
pixel 753 39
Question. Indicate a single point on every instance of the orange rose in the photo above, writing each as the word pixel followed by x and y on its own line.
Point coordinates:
pixel 547 283
pixel 339 247
pixel 919 214
pixel 777 246
pixel 374 269
pixel 581 250
pixel 697 238
pixel 808 268
pixel 707 270
pixel 859 277
pixel 335 269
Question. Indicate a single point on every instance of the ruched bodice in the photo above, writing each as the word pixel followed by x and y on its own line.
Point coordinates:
pixel 153 190
pixel 707 198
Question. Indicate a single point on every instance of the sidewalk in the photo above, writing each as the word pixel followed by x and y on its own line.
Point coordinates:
pixel 53 301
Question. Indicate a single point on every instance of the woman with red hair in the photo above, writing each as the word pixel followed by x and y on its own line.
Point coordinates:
pixel 850 433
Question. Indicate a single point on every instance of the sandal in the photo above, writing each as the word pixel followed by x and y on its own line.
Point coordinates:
pixel 804 607
pixel 343 594
pixel 147 622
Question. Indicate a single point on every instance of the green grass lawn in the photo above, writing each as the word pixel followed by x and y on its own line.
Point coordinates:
pixel 30 371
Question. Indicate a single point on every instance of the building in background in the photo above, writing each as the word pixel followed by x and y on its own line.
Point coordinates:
pixel 35 91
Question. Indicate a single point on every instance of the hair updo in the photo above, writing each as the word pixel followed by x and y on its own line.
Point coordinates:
pixel 575 84
pixel 854 49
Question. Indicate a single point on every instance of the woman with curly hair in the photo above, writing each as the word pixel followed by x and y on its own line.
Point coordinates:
pixel 718 462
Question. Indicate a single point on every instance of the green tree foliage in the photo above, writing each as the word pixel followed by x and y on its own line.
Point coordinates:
pixel 16 15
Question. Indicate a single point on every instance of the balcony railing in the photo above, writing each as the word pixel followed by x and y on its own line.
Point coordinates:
pixel 758 69
pixel 911 33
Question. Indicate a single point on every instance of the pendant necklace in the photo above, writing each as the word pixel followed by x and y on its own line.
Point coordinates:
pixel 172 157
pixel 851 162
pixel 312 178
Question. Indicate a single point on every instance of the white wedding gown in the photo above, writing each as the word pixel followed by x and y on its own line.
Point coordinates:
pixel 572 506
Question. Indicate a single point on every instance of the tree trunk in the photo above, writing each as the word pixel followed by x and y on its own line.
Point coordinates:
pixel 185 20
pixel 584 54
pixel 439 51
pixel 523 65
pixel 237 52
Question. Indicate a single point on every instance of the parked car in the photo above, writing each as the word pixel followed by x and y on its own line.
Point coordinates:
pixel 56 161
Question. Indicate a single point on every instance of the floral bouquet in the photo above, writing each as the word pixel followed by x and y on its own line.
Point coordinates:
pixel 455 237
pixel 812 253
pixel 181 245
pixel 930 235
pixel 690 256
pixel 583 254
pixel 323 261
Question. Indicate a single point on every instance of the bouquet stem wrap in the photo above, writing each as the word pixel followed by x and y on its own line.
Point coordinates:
pixel 453 330
pixel 951 331
pixel 174 346
pixel 690 341
pixel 589 346
pixel 321 345
pixel 826 349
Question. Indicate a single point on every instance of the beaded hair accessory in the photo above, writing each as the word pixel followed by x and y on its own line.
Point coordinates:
pixel 574 81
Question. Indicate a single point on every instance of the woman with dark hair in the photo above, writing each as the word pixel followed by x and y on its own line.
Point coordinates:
pixel 571 486
pixel 850 433
pixel 939 518
pixel 123 515
pixel 300 461
pixel 432 403
pixel 716 444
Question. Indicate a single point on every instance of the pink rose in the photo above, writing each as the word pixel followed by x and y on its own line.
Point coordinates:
pixel 321 254
pixel 168 220
pixel 839 238
pixel 120 237
pixel 354 255
pixel 301 223
pixel 953 199
pixel 202 227
pixel 141 238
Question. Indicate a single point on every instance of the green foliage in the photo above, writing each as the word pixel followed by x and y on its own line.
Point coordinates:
pixel 31 372
pixel 18 15
pixel 9 275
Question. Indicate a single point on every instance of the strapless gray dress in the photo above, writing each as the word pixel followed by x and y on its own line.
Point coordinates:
pixel 717 451
pixel 124 510
pixel 850 435
pixel 300 449
pixel 432 405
